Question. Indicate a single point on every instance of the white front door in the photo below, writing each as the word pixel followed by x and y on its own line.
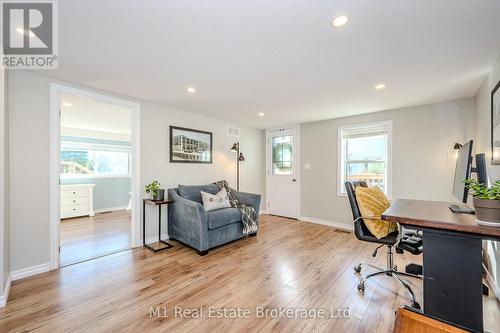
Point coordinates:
pixel 282 173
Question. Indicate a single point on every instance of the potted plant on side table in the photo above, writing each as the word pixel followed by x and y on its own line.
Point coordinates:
pixel 486 202
pixel 157 193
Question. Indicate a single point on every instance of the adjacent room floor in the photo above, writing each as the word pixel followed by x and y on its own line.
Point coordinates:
pixel 290 265
pixel 84 238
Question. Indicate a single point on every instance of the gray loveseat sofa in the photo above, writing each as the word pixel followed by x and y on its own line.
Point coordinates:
pixel 191 224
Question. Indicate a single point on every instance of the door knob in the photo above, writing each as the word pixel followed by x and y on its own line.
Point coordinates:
pixel 294 180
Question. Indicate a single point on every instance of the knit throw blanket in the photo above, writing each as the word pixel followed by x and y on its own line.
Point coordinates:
pixel 248 214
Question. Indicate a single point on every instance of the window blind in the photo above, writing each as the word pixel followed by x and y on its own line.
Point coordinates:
pixel 364 131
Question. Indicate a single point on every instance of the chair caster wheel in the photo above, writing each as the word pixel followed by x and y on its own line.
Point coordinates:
pixel 357 269
pixel 415 305
pixel 361 287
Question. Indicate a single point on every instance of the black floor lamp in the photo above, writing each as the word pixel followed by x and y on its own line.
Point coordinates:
pixel 239 158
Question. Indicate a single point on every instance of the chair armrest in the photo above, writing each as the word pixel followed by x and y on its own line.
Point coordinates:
pixel 188 221
pixel 248 199
pixel 172 195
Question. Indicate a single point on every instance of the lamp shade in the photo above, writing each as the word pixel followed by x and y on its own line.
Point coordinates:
pixel 234 148
pixel 241 157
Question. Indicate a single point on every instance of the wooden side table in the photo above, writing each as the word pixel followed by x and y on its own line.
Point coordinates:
pixel 158 203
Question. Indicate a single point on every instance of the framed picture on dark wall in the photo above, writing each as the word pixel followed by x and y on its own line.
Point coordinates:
pixel 495 125
pixel 190 146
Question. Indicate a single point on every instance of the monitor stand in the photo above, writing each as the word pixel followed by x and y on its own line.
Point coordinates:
pixel 461 209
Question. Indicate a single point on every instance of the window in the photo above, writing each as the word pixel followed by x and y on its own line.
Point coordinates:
pixel 365 155
pixel 282 155
pixel 81 160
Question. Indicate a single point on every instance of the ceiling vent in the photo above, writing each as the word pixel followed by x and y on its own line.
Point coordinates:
pixel 233 131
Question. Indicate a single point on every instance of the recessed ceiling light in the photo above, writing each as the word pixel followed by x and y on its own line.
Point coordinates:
pixel 66 104
pixel 340 20
pixel 191 90
pixel 261 114
pixel 380 86
pixel 24 32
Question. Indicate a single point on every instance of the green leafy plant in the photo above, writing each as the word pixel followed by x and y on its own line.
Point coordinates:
pixel 481 191
pixel 153 188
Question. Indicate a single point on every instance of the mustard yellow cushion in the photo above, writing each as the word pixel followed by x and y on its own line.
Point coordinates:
pixel 372 203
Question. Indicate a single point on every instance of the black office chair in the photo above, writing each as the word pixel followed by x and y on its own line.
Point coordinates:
pixel 391 240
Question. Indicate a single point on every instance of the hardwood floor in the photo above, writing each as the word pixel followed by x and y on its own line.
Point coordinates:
pixel 85 238
pixel 290 264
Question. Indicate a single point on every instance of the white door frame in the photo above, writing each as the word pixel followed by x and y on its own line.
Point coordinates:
pixel 55 135
pixel 268 162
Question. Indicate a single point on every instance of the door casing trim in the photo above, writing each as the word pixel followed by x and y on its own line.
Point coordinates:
pixel 56 90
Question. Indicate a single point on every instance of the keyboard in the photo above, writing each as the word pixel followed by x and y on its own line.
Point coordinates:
pixel 461 209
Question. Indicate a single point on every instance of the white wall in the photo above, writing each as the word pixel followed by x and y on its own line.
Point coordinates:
pixel 4 232
pixel 29 127
pixel 423 164
pixel 29 169
pixel 2 178
pixel 155 160
pixel 6 189
pixel 483 145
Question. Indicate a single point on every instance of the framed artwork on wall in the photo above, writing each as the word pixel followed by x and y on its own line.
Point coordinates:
pixel 495 125
pixel 190 146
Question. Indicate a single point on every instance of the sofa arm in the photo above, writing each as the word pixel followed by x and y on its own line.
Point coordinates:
pixel 187 221
pixel 248 199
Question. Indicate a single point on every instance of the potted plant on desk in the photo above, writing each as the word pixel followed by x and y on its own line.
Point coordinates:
pixel 156 192
pixel 486 202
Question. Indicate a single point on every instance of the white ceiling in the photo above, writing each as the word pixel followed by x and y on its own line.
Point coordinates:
pixel 90 115
pixel 281 57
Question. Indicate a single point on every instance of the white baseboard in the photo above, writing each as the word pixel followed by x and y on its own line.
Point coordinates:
pixel 336 225
pixel 264 212
pixel 111 209
pixel 491 283
pixel 29 271
pixel 6 290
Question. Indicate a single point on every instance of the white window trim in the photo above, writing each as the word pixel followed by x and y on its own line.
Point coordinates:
pixel 340 166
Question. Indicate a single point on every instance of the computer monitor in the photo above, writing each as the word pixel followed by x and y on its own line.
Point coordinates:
pixel 462 172
pixel 480 169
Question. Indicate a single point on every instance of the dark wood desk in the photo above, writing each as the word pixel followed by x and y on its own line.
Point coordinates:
pixel 452 259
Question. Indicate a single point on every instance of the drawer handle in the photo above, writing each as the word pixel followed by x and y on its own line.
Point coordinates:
pixel 74 192
pixel 74 208
pixel 74 200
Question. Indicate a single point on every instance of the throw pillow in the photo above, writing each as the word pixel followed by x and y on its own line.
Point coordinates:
pixel 372 203
pixel 215 201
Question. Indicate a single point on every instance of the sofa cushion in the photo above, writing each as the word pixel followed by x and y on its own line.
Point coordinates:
pixel 192 192
pixel 221 217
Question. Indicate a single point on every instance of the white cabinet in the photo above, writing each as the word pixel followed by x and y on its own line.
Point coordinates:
pixel 77 200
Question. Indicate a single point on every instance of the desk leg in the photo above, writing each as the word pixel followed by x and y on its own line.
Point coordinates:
pixel 453 279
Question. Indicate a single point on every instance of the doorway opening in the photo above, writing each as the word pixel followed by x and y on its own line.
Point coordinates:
pixel 94 175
